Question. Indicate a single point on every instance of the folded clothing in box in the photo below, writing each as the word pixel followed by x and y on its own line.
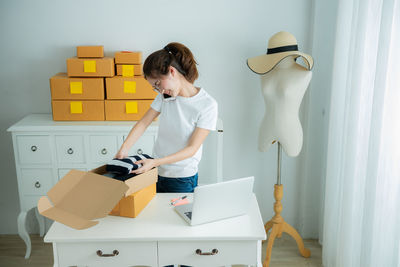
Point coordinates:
pixel 126 165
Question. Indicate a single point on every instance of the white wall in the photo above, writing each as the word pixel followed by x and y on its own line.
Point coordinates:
pixel 37 37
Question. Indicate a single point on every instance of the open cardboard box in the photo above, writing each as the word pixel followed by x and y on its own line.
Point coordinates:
pixel 81 197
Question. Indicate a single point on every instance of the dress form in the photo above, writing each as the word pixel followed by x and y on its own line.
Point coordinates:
pixel 283 85
pixel 283 89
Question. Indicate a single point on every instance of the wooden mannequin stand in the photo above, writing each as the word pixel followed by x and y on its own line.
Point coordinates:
pixel 277 223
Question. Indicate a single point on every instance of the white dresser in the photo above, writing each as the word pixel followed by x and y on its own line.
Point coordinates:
pixel 45 150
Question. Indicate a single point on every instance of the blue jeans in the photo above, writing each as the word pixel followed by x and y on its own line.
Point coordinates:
pixel 177 185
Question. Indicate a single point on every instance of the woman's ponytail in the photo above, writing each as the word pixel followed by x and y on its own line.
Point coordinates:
pixel 173 54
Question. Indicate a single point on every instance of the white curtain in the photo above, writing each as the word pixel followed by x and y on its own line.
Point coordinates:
pixel 362 189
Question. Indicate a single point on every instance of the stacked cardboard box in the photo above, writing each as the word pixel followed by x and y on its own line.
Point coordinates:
pixel 129 95
pixel 128 63
pixel 78 95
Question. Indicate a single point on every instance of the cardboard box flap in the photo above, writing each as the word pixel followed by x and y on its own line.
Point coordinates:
pixel 136 183
pixel 47 209
pixel 87 195
pixel 100 170
pixel 64 185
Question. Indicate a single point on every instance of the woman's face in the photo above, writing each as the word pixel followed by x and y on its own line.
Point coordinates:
pixel 165 84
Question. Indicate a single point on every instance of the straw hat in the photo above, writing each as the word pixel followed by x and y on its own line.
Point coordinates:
pixel 280 46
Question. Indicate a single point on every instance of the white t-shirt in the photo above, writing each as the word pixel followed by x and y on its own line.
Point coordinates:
pixel 177 122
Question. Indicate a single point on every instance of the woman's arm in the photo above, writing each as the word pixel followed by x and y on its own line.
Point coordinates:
pixel 195 141
pixel 137 132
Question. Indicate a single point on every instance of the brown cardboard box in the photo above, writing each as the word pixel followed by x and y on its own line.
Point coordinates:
pixel 90 67
pixel 129 88
pixel 128 57
pixel 133 204
pixel 135 183
pixel 79 197
pixel 76 110
pixel 62 87
pixel 90 51
pixel 126 70
pixel 126 110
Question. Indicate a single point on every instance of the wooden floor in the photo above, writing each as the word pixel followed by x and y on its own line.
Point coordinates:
pixel 284 253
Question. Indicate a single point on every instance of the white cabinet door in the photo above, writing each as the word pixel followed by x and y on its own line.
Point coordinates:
pixel 143 146
pixel 34 149
pixel 102 148
pixel 116 254
pixel 36 181
pixel 207 253
pixel 70 149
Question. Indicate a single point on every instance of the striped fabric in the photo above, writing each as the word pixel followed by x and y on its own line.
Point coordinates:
pixel 126 165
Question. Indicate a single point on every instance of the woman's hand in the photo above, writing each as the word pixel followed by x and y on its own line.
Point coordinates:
pixel 122 153
pixel 147 164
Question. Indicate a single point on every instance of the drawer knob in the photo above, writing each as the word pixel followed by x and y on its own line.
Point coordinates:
pixel 37 184
pixel 213 252
pixel 33 148
pixel 100 253
pixel 140 151
pixel 70 151
pixel 104 151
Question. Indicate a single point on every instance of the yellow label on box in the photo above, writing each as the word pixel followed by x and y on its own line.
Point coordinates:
pixel 76 107
pixel 130 87
pixel 131 107
pixel 89 66
pixel 127 71
pixel 75 87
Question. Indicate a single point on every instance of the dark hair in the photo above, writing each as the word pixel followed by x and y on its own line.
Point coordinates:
pixel 174 54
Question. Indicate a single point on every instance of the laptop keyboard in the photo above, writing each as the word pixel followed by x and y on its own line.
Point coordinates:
pixel 188 214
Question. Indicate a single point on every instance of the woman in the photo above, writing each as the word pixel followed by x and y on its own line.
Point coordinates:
pixel 187 115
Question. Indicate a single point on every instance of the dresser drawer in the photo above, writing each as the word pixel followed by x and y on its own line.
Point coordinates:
pixel 70 149
pixel 143 145
pixel 34 149
pixel 229 252
pixel 141 253
pixel 102 148
pixel 36 181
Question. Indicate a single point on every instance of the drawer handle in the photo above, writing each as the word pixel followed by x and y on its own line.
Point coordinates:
pixel 70 151
pixel 140 151
pixel 213 252
pixel 33 148
pixel 37 184
pixel 100 253
pixel 104 151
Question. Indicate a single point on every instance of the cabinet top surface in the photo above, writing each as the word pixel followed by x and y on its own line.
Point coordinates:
pixel 44 122
pixel 159 222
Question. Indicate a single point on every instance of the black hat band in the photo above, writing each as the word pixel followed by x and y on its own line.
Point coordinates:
pixel 282 49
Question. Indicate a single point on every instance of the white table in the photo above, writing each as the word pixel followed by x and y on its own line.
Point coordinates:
pixel 159 237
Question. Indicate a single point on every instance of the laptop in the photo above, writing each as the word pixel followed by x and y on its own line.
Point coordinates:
pixel 218 201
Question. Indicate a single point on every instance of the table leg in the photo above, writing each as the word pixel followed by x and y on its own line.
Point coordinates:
pixel 23 233
pixel 40 220
pixel 259 253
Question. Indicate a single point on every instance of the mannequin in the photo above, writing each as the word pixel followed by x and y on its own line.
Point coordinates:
pixel 283 84
pixel 283 89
